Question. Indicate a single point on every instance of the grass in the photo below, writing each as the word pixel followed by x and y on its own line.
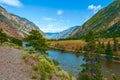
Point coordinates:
pixel 73 45
pixel 5 44
pixel 67 45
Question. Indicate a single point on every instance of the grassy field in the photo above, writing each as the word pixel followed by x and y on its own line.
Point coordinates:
pixel 67 45
pixel 73 45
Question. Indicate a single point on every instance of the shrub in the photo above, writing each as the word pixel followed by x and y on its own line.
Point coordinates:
pixel 26 57
pixel 50 76
pixel 43 75
pixel 85 76
pixel 16 41
pixel 60 74
pixel 70 75
pixel 32 51
pixel 3 36
pixel 55 62
pixel 34 76
pixel 35 67
pixel 59 68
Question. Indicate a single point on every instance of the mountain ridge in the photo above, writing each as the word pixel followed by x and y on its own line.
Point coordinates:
pixel 101 22
pixel 63 34
pixel 20 26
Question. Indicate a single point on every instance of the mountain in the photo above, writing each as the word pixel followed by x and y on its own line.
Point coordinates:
pixel 51 35
pixel 14 25
pixel 105 23
pixel 62 34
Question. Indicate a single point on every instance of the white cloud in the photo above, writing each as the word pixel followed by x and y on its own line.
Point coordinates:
pixel 94 8
pixel 16 3
pixel 48 19
pixel 59 12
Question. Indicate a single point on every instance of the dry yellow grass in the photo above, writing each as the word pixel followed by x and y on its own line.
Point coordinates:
pixel 68 45
pixel 72 45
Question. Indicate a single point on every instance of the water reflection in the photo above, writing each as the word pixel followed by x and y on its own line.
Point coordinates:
pixel 71 63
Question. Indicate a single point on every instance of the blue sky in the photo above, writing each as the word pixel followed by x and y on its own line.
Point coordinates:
pixel 55 15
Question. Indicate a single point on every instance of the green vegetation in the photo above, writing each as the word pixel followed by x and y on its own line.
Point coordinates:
pixel 93 50
pixel 115 45
pixel 108 51
pixel 36 40
pixel 92 67
pixel 105 23
pixel 15 41
pixel 3 37
pixel 43 67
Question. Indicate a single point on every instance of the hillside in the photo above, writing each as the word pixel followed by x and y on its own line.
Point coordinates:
pixel 14 25
pixel 105 22
pixel 62 34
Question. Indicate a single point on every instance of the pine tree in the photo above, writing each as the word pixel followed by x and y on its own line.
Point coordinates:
pixel 103 45
pixel 115 44
pixel 36 40
pixel 108 51
pixel 3 36
pixel 91 68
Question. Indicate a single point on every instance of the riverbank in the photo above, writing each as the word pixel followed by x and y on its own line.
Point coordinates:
pixel 78 47
pixel 74 45
pixel 71 63
pixel 17 63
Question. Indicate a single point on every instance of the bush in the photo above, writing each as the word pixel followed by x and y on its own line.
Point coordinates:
pixel 35 67
pixel 32 51
pixel 60 74
pixel 43 75
pixel 26 57
pixel 85 76
pixel 55 62
pixel 50 76
pixel 34 76
pixel 16 41
pixel 70 75
pixel 3 36
pixel 59 68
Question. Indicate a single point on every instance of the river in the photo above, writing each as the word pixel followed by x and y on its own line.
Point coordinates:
pixel 71 63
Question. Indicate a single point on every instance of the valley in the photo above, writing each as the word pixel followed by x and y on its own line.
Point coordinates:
pixel 37 44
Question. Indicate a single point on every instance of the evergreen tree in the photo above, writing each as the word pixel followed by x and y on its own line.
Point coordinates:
pixel 100 48
pixel 3 36
pixel 15 41
pixel 108 51
pixel 103 45
pixel 115 44
pixel 91 68
pixel 90 39
pixel 36 40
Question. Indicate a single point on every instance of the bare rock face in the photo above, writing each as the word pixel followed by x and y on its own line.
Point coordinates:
pixel 14 25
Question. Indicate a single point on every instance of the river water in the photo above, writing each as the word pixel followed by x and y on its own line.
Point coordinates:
pixel 71 63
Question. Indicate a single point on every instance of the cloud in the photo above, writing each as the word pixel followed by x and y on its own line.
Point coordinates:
pixel 15 3
pixel 48 19
pixel 94 8
pixel 59 12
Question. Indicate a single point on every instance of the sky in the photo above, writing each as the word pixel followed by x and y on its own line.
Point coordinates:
pixel 55 15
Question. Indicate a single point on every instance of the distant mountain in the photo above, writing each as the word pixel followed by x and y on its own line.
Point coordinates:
pixel 104 23
pixel 14 25
pixel 63 34
pixel 51 35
